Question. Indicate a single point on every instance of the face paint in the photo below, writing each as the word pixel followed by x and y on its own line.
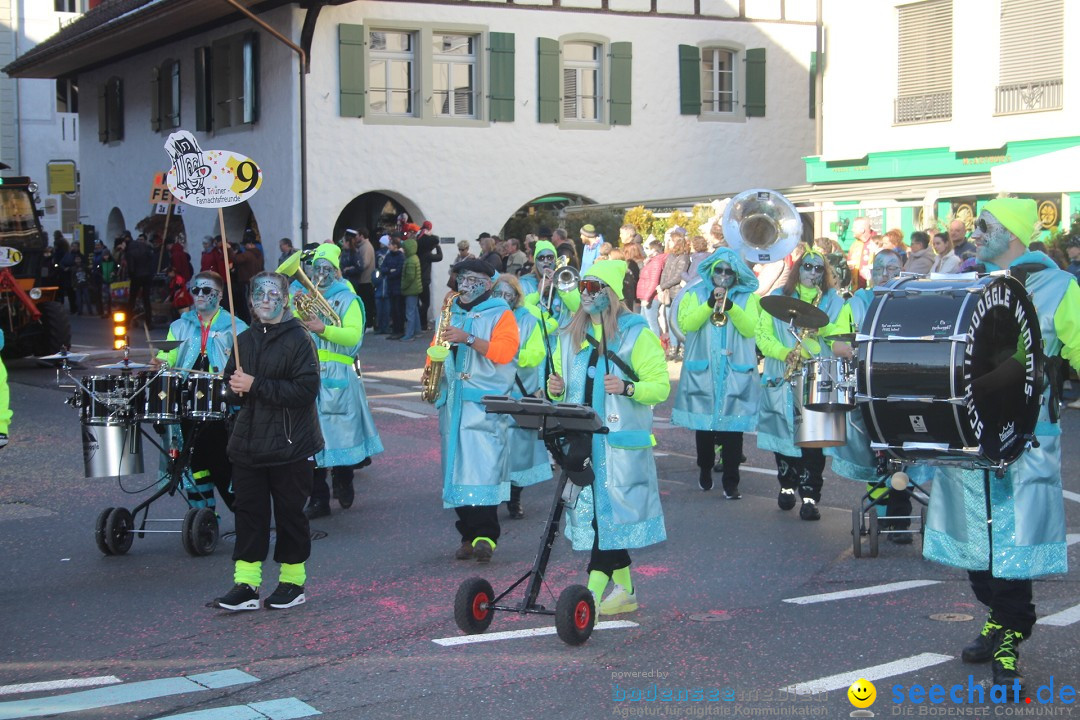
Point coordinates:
pixel 207 296
pixel 886 267
pixel 472 286
pixel 812 271
pixel 723 275
pixel 990 237
pixel 267 301
pixel 504 291
pixel 594 304
pixel 324 273
pixel 545 261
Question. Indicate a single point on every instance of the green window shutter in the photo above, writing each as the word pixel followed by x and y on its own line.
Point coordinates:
pixel 351 70
pixel 689 80
pixel 501 78
pixel 115 110
pixel 548 81
pixel 155 99
pixel 621 62
pixel 174 95
pixel 202 106
pixel 755 82
pixel 102 113
pixel 813 84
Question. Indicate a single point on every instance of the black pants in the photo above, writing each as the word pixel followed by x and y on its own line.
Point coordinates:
pixel 240 292
pixel 209 461
pixel 731 452
pixel 397 314
pixel 320 491
pixel 366 291
pixel 1008 600
pixel 140 288
pixel 515 494
pixel 805 472
pixel 476 521
pixel 606 561
pixel 425 302
pixel 285 486
pixel 897 503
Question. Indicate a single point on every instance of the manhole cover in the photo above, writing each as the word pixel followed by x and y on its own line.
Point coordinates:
pixel 231 535
pixel 951 617
pixel 710 617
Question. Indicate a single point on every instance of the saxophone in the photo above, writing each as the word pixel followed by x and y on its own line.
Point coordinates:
pixel 795 368
pixel 433 371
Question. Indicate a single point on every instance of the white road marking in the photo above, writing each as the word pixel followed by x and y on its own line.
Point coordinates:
pixel 531 632
pixel 1072 539
pixel 58 684
pixel 1061 619
pixel 284 709
pixel 860 592
pixel 873 673
pixel 396 411
pixel 1070 495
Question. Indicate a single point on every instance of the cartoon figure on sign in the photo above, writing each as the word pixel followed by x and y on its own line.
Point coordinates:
pixel 188 163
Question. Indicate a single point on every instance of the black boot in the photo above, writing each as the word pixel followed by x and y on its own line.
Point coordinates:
pixel 514 503
pixel 705 478
pixel 809 510
pixel 982 648
pixel 316 509
pixel 1006 657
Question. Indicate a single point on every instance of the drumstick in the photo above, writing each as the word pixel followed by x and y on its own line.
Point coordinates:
pixel 228 283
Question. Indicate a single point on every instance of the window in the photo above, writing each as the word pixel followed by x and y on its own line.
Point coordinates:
pixel 165 96
pixel 581 82
pixel 111 111
pixel 1031 70
pixel 454 76
pixel 718 80
pixel 391 61
pixel 67 96
pixel 226 83
pixel 67 6
pixel 924 87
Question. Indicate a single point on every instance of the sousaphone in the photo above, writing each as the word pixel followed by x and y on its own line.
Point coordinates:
pixel 761 225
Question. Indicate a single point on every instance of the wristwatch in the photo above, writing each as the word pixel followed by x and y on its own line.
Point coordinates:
pixel 470 340
pixel 628 389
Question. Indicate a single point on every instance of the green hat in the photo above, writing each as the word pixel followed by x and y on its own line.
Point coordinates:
pixel 1020 216
pixel 542 245
pixel 328 251
pixel 612 272
pixel 588 230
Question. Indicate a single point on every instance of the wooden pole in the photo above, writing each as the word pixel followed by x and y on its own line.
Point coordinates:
pixel 165 235
pixel 228 285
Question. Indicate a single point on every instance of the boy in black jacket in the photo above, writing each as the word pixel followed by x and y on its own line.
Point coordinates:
pixel 272 446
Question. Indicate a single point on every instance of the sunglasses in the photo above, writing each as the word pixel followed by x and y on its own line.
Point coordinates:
pixel 981 226
pixel 593 287
pixel 811 267
pixel 203 290
pixel 723 271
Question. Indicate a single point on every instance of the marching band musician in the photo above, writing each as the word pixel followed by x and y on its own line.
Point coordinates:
pixel 483 338
pixel 811 281
pixel 5 406
pixel 275 435
pixel 621 509
pixel 529 461
pixel 719 390
pixel 855 460
pixel 347 425
pixel 205 333
pixel 1022 511
pixel 537 287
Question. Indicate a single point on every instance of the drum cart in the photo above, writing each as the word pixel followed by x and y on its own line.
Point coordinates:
pixel 567 431
pixel 865 520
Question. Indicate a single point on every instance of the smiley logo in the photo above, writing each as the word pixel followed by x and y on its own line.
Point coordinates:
pixel 862 693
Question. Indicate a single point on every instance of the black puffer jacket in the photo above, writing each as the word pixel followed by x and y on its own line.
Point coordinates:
pixel 278 422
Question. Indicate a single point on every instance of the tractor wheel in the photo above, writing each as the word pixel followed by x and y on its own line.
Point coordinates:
pixel 56 329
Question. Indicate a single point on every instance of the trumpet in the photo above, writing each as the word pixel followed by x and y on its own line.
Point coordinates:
pixel 719 317
pixel 312 303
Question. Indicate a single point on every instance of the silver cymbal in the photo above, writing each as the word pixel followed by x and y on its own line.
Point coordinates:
pixel 791 309
pixel 65 355
pixel 125 365
pixel 166 345
pixel 199 373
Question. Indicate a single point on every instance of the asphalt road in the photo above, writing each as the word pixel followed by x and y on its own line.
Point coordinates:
pixel 716 599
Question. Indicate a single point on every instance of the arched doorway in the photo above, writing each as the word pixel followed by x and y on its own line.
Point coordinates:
pixel 543 211
pixel 114 226
pixel 375 210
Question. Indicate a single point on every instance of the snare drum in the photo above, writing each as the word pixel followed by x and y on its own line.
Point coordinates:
pixel 923 343
pixel 162 400
pixel 107 399
pixel 828 385
pixel 205 399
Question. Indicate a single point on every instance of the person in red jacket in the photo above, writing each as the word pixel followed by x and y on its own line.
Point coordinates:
pixel 648 283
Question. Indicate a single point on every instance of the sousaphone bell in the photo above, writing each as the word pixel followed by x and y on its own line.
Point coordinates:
pixel 761 225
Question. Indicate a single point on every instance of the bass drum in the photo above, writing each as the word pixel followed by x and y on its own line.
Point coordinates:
pixel 927 349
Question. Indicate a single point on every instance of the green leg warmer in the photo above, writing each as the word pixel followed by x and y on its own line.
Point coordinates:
pixel 294 574
pixel 622 577
pixel 249 573
pixel 598 582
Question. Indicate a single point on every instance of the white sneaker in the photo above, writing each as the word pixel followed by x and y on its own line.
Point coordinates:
pixel 1075 404
pixel 618 602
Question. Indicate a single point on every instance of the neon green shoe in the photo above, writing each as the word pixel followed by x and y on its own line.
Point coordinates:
pixel 618 602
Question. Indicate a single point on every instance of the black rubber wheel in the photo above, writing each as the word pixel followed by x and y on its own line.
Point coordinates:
pixel 873 533
pixel 56 329
pixel 99 532
pixel 119 531
pixel 856 532
pixel 471 611
pixel 186 533
pixel 203 532
pixel 575 615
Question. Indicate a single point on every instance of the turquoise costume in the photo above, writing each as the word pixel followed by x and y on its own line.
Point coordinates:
pixel 188 330
pixel 1027 536
pixel 348 427
pixel 625 494
pixel 529 461
pixel 719 389
pixel 855 460
pixel 475 461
